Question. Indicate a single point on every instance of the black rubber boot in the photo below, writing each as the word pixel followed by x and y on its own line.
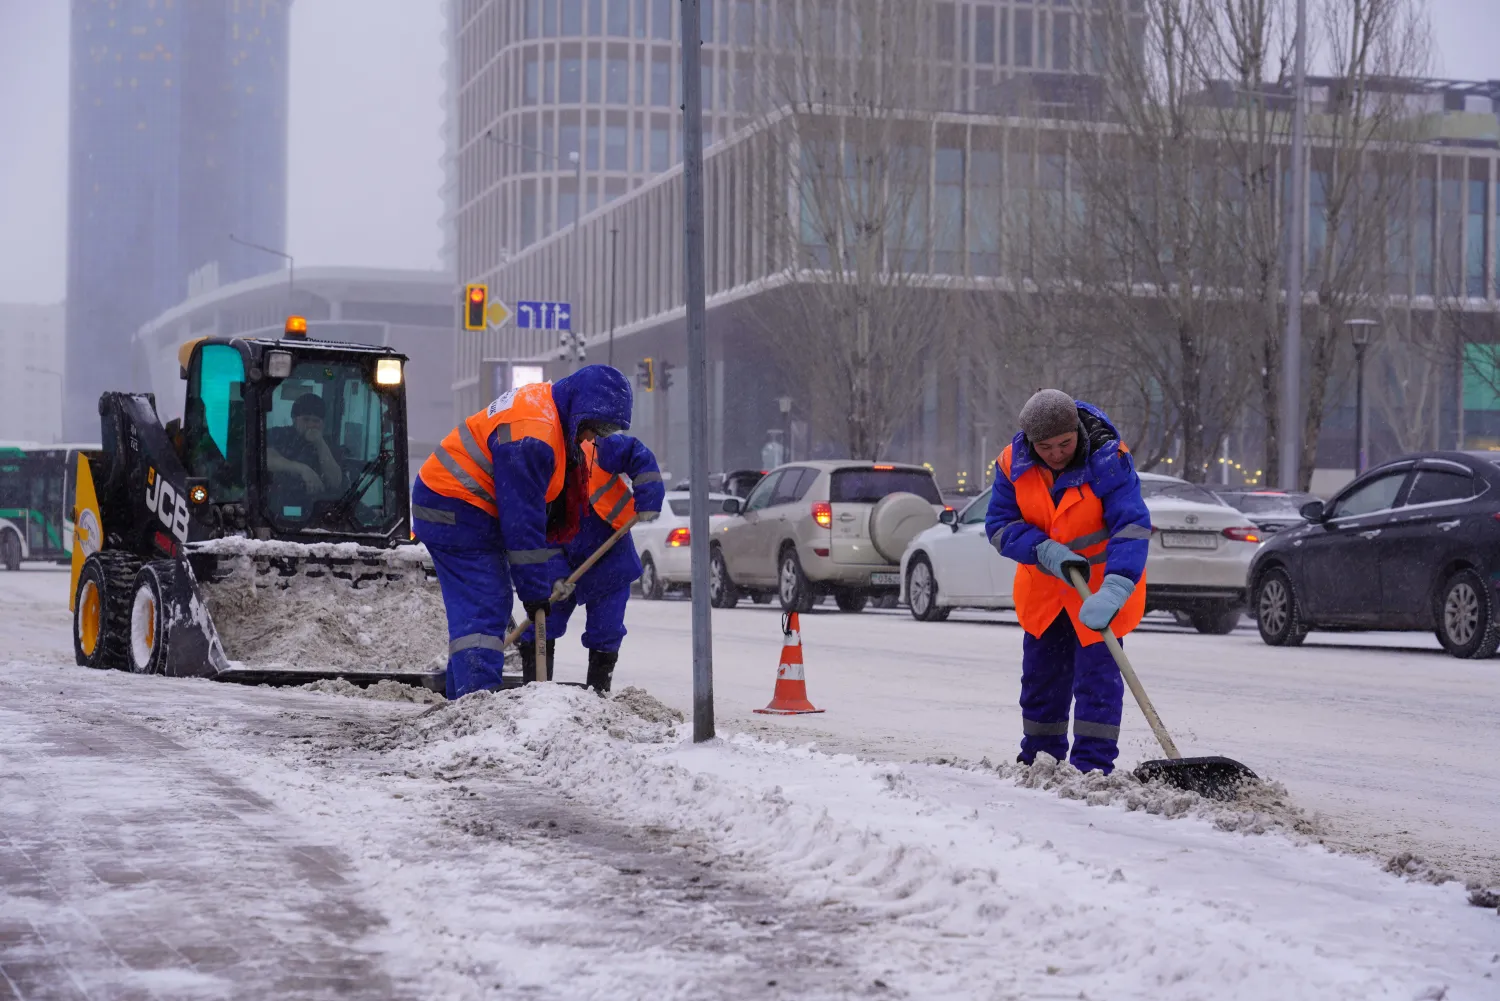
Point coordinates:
pixel 528 660
pixel 601 670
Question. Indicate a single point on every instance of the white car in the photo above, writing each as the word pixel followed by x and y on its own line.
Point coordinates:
pixel 665 545
pixel 1196 565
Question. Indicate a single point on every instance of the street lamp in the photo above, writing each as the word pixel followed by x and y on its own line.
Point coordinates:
pixel 576 159
pixel 1361 332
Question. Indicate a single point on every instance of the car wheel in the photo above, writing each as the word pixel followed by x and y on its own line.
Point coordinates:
pixel 1218 620
pixel 922 591
pixel 721 590
pixel 795 592
pixel 651 588
pixel 101 610
pixel 851 601
pixel 10 550
pixel 1466 617
pixel 1277 614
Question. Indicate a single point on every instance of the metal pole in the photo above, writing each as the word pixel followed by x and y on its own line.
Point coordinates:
pixel 1359 409
pixel 613 242
pixel 1291 350
pixel 697 367
pixel 577 305
pixel 291 265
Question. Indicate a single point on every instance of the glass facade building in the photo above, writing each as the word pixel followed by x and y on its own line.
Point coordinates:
pixel 177 139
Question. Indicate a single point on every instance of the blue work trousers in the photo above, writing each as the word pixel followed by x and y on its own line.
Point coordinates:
pixel 604 627
pixel 1058 674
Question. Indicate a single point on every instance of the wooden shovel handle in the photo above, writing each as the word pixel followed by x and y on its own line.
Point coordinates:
pixel 583 567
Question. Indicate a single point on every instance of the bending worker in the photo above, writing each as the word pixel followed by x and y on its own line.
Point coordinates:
pixel 604 588
pixel 497 501
pixel 1067 495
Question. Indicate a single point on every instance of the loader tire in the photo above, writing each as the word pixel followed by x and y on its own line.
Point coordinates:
pixel 151 596
pixel 101 611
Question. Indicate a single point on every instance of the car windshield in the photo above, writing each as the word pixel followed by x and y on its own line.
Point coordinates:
pixel 1288 504
pixel 330 448
pixel 1178 490
pixel 680 507
pixel 870 486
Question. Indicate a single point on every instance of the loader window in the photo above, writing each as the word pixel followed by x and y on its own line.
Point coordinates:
pixel 213 422
pixel 331 449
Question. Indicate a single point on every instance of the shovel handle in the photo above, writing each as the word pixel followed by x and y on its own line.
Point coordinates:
pixel 583 567
pixel 1118 652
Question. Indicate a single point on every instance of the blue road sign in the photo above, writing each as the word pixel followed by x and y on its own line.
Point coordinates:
pixel 532 315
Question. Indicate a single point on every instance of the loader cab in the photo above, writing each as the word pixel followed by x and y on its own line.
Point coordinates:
pixel 298 439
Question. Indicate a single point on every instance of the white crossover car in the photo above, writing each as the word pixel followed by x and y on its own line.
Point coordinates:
pixel 1196 566
pixel 665 545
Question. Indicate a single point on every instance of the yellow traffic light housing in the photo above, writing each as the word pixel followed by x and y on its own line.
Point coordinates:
pixel 645 375
pixel 476 300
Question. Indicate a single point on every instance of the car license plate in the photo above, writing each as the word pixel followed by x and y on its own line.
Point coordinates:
pixel 893 579
pixel 1189 540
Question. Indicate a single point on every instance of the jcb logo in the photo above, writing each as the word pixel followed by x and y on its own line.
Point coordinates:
pixel 170 506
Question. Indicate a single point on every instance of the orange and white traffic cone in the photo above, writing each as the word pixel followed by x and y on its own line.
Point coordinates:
pixel 790 696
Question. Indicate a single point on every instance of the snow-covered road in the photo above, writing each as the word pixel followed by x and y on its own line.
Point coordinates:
pixel 181 839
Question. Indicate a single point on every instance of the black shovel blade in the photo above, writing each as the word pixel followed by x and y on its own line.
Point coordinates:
pixel 1213 776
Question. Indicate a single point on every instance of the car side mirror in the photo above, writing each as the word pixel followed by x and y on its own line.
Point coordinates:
pixel 733 505
pixel 949 517
pixel 1313 511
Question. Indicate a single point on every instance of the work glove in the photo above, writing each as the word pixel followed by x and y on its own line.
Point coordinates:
pixel 644 516
pixel 1104 604
pixel 562 590
pixel 1053 557
pixel 532 607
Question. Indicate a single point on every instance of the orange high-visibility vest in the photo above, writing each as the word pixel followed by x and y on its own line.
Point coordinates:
pixel 1077 521
pixel 461 467
pixel 608 492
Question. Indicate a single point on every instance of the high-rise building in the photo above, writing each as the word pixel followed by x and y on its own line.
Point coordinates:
pixel 178 140
pixel 31 367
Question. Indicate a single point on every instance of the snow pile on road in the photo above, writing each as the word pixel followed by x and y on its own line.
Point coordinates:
pixel 964 898
pixel 327 624
pixel 1258 807
pixel 384 690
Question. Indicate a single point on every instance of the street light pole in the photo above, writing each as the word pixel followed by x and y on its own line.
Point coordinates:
pixel 1291 350
pixel 613 233
pixel 1361 332
pixel 575 338
pixel 291 265
pixel 697 371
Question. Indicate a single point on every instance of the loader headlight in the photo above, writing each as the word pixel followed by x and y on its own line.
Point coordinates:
pixel 278 364
pixel 198 494
pixel 388 372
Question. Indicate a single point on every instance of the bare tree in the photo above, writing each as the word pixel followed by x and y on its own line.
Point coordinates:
pixel 851 94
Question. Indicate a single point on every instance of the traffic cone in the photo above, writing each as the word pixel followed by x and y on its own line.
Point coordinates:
pixel 790 696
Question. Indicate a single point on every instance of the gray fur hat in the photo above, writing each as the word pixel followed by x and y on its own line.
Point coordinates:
pixel 1047 414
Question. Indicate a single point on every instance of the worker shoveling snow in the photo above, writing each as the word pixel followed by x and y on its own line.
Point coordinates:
pixel 966 883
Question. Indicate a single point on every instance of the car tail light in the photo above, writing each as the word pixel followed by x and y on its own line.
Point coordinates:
pixel 679 537
pixel 1243 534
pixel 822 513
pixel 820 552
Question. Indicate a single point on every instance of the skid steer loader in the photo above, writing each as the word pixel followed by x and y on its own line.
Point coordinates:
pixel 265 536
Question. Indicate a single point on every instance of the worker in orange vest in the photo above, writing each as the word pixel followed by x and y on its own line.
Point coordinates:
pixel 498 500
pixel 624 483
pixel 1067 497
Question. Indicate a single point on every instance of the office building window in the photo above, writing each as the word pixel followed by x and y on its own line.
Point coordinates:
pixel 984 35
pixel 1477 284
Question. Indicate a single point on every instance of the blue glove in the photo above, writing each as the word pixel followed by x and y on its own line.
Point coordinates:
pixel 1104 604
pixel 1053 556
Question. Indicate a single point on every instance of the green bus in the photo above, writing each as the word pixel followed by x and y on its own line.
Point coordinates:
pixel 36 502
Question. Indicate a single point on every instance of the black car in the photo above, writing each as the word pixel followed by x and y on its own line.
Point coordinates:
pixel 1272 511
pixel 1413 544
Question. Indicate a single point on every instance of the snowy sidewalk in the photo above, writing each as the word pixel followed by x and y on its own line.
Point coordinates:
pixel 128 869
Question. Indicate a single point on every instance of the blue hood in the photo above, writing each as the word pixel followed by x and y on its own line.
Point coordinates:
pixel 593 393
pixel 1099 437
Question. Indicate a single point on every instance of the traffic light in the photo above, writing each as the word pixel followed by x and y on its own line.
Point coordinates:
pixel 645 375
pixel 476 299
pixel 666 374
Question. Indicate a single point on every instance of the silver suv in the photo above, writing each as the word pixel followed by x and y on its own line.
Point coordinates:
pixel 815 528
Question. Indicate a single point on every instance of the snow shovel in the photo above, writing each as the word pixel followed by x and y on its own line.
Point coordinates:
pixel 560 592
pixel 1213 776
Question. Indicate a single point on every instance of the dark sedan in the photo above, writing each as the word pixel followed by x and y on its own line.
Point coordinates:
pixel 1272 511
pixel 1413 544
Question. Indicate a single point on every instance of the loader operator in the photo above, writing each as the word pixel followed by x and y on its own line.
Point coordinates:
pixel 300 449
pixel 1067 496
pixel 604 588
pixel 497 501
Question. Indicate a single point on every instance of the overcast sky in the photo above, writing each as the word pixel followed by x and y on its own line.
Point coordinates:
pixel 365 142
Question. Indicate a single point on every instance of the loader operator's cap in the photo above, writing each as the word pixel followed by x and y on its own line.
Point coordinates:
pixel 308 405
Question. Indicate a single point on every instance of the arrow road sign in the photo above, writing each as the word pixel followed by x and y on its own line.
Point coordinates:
pixel 497 314
pixel 536 315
